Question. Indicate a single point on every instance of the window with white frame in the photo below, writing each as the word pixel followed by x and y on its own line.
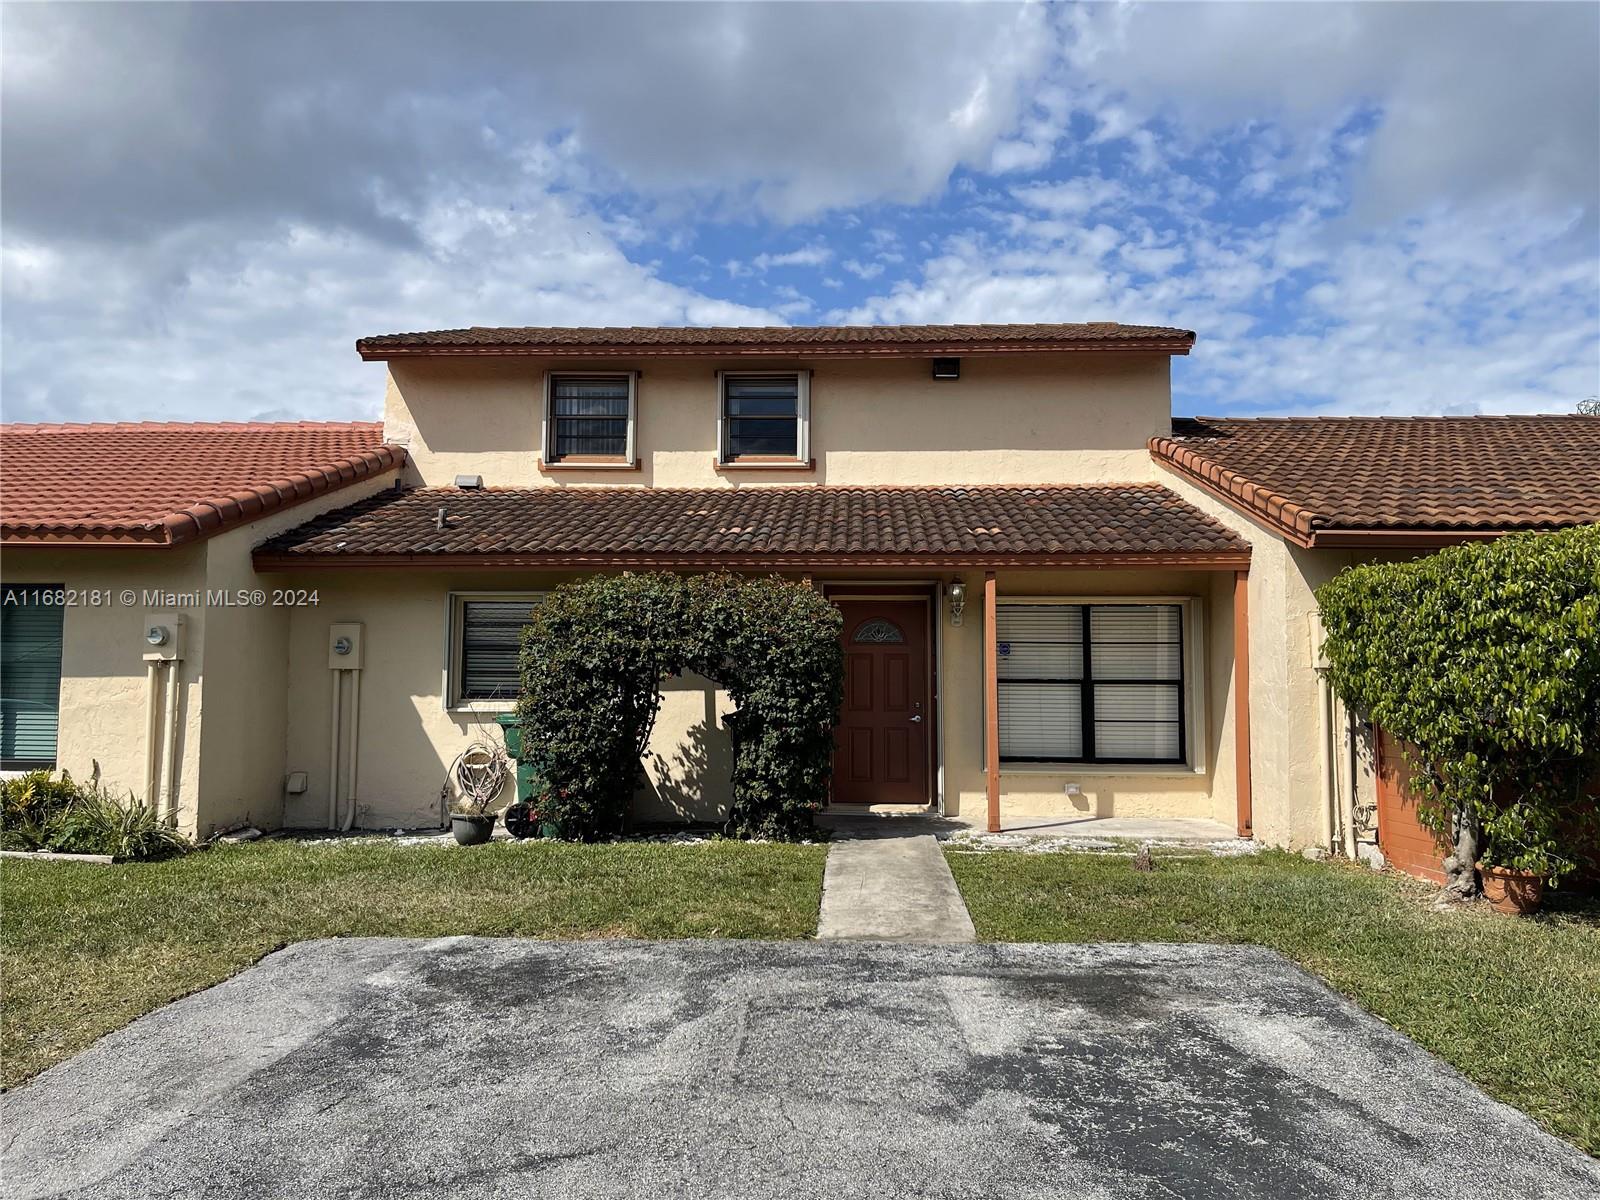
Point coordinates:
pixel 589 419
pixel 764 418
pixel 485 639
pixel 1092 683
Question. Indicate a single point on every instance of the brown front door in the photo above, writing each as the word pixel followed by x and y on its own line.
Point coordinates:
pixel 881 744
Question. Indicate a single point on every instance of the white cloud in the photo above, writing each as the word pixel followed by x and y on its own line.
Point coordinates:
pixel 790 109
pixel 1359 207
pixel 808 256
pixel 1471 101
pixel 1433 316
pixel 1072 198
pixel 264 329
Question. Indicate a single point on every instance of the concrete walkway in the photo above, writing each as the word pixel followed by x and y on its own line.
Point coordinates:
pixel 884 882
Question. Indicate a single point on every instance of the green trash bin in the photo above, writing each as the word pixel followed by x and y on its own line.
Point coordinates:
pixel 526 783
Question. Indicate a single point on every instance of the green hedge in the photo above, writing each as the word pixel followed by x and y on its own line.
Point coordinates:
pixel 596 653
pixel 1486 657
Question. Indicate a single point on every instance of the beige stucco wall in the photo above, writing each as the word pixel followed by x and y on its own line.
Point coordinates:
pixel 232 684
pixel 1287 731
pixel 409 737
pixel 1104 791
pixel 1048 418
pixel 102 711
pixel 246 662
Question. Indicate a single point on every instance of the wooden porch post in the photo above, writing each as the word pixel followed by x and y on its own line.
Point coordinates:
pixel 991 701
pixel 1241 701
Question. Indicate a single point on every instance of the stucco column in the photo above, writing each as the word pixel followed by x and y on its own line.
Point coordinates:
pixel 1241 701
pixel 991 701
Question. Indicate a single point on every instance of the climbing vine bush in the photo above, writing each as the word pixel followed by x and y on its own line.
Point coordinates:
pixel 1486 657
pixel 596 653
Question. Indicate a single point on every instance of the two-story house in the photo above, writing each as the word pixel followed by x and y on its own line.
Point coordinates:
pixel 1057 600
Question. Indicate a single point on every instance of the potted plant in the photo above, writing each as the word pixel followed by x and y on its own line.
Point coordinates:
pixel 479 775
pixel 1511 890
pixel 533 819
pixel 471 826
pixel 1513 877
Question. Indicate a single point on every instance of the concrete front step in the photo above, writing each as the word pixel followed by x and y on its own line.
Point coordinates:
pixel 891 889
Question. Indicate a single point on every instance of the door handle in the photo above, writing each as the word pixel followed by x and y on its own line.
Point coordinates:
pixel 918 717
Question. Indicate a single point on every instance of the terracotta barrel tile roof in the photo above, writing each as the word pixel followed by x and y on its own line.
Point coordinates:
pixel 810 340
pixel 764 527
pixel 165 483
pixel 1341 480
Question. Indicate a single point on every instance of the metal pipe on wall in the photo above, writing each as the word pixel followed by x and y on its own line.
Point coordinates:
pixel 333 753
pixel 152 731
pixel 169 755
pixel 1349 814
pixel 1330 767
pixel 355 742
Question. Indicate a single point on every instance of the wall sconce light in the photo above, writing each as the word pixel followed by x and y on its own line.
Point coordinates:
pixel 955 597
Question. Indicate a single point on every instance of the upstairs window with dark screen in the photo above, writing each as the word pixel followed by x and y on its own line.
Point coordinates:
pixel 590 417
pixel 762 417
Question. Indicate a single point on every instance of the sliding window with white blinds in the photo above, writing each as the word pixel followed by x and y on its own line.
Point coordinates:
pixel 1098 683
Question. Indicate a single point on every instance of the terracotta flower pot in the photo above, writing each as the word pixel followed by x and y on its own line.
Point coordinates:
pixel 1515 893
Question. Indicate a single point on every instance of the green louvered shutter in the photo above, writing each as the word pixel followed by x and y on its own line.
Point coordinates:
pixel 30 675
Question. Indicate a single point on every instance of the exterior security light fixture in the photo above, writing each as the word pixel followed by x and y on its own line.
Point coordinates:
pixel 947 368
pixel 955 597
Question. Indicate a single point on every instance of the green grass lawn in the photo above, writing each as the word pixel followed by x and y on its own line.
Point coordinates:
pixel 86 949
pixel 1513 1004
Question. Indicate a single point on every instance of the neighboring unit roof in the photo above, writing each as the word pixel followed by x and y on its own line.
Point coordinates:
pixel 810 340
pixel 769 527
pixel 1331 481
pixel 150 484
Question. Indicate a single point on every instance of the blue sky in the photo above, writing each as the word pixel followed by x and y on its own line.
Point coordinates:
pixel 1360 208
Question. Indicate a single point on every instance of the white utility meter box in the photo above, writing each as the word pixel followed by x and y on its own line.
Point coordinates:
pixel 1319 643
pixel 345 646
pixel 163 637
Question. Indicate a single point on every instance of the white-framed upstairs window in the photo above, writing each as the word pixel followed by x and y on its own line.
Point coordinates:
pixel 763 418
pixel 1102 681
pixel 484 639
pixel 590 418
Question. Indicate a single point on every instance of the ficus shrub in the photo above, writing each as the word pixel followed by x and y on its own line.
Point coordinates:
pixel 1485 657
pixel 594 657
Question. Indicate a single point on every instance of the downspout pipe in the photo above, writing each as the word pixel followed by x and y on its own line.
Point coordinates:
pixel 1330 765
pixel 355 744
pixel 1349 814
pixel 152 732
pixel 169 786
pixel 333 753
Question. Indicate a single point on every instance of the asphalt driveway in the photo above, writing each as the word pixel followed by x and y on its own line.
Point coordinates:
pixel 480 1068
